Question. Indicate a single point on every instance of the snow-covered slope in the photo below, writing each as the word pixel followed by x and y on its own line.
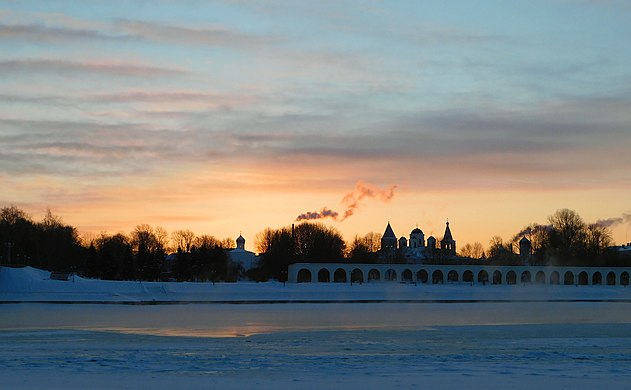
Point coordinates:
pixel 33 285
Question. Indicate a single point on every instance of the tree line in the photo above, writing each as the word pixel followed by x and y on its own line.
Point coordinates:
pixel 566 239
pixel 151 253
pixel 146 253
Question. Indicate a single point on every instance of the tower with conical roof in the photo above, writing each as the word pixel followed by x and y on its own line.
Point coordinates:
pixel 525 248
pixel 240 242
pixel 389 239
pixel 448 244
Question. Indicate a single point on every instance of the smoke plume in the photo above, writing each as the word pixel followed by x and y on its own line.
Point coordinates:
pixel 351 202
pixel 364 190
pixel 532 229
pixel 324 213
pixel 610 222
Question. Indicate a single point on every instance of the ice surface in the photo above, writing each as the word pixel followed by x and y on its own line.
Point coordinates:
pixel 465 357
pixel 498 342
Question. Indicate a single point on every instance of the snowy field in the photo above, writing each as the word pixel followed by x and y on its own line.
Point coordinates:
pixel 458 342
pixel 33 285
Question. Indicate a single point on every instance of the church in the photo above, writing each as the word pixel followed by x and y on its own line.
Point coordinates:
pixel 239 255
pixel 416 248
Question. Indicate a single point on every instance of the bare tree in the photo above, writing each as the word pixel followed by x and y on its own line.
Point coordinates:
pixel 11 215
pixel 567 235
pixel 496 246
pixel 183 240
pixel 51 221
pixel 597 239
pixel 264 240
pixel 474 251
pixel 228 243
pixel 162 237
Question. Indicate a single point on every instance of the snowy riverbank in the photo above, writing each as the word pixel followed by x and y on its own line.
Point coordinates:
pixel 34 285
pixel 452 336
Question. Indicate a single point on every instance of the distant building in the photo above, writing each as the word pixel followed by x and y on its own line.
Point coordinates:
pixel 622 251
pixel 415 249
pixel 243 257
pixel 389 239
pixel 417 238
pixel 448 244
pixel 623 248
pixel 525 248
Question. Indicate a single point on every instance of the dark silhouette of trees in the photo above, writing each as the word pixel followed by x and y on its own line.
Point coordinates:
pixel 568 240
pixel 306 242
pixel 183 240
pixel 317 243
pixel 499 250
pixel 53 245
pixel 364 249
pixel 203 258
pixel 112 258
pixel 567 237
pixel 49 244
pixel 149 251
pixel 597 240
pixel 276 247
pixel 473 251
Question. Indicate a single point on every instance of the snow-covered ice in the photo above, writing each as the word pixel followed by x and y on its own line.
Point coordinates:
pixel 33 285
pixel 475 337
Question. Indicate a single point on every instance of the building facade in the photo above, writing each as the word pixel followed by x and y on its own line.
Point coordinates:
pixel 416 249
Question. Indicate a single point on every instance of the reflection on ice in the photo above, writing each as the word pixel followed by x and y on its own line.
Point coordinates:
pixel 243 331
pixel 376 345
pixel 461 357
pixel 211 320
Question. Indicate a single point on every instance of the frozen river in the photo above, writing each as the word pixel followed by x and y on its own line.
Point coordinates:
pixel 335 345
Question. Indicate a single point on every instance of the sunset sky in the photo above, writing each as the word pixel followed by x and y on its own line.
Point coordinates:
pixel 232 116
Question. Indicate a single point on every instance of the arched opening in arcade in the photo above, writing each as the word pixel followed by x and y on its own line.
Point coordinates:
pixel 611 279
pixel 452 276
pixel 540 277
pixel 467 276
pixel 339 276
pixel 437 277
pixel 511 277
pixel 324 276
pixel 304 276
pixel 483 277
pixel 555 278
pixel 391 275
pixel 406 276
pixel 422 276
pixel 357 276
pixel 597 278
pixel 526 277
pixel 374 275
pixel 624 278
pixel 583 278
pixel 497 277
pixel 568 278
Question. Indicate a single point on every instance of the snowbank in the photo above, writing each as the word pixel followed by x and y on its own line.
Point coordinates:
pixel 34 285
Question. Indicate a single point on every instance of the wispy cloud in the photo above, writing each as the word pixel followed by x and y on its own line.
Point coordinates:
pixel 212 36
pixel 44 33
pixel 71 68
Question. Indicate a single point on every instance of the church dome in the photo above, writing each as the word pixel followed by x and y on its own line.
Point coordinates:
pixel 416 231
pixel 240 242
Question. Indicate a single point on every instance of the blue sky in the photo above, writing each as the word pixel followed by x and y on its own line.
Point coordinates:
pixel 194 106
